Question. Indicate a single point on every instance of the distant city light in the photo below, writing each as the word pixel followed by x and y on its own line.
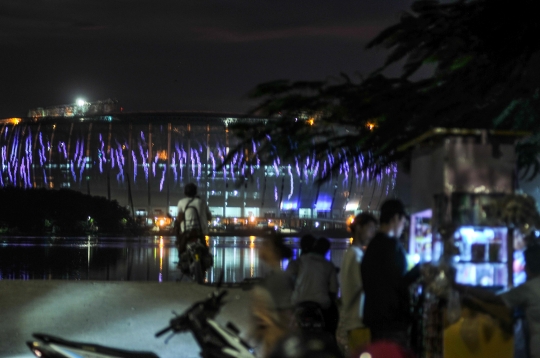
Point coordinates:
pixel 13 121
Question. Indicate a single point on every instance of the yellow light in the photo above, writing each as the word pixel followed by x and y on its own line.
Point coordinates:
pixel 207 239
pixel 311 121
pixel 13 121
pixel 162 154
pixel 160 255
pixel 252 218
pixel 350 240
pixel 371 125
pixel 161 222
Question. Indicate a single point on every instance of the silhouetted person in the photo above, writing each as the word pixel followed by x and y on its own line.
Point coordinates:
pixel 306 245
pixel 386 280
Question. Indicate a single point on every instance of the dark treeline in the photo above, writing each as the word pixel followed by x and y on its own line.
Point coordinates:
pixel 60 212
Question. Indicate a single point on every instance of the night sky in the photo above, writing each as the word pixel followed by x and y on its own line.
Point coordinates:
pixel 202 55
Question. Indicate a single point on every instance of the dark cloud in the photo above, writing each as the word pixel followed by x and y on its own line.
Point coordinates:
pixel 362 33
pixel 172 55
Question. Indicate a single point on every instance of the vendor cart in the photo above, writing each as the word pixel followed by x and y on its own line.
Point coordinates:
pixel 467 215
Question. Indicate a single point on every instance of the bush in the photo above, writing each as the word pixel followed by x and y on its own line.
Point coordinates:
pixel 66 212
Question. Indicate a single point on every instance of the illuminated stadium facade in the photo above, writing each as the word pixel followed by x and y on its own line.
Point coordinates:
pixel 143 160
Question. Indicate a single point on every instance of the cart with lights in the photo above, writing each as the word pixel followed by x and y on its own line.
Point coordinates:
pixel 469 221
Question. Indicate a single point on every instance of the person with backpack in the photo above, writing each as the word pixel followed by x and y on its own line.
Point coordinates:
pixel 317 282
pixel 191 228
pixel 193 217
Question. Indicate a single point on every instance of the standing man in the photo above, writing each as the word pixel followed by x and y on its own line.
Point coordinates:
pixel 386 280
pixel 193 215
pixel 352 292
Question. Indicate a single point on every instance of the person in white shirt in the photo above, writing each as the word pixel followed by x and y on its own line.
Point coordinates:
pixel 525 296
pixel 316 281
pixel 193 214
pixel 363 229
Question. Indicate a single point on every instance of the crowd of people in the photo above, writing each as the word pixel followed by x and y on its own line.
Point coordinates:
pixel 374 305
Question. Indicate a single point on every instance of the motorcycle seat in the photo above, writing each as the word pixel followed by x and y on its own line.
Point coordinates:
pixel 94 348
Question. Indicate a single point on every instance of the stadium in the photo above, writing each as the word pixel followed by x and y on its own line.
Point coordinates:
pixel 144 159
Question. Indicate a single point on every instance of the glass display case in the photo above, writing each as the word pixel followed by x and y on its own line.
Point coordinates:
pixel 482 259
pixel 420 237
pixel 482 254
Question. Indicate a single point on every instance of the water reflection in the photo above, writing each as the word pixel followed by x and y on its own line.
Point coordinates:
pixel 128 259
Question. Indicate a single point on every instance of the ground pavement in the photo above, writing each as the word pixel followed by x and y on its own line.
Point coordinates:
pixel 120 314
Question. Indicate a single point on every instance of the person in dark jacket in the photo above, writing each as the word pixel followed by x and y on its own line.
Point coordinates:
pixel 386 280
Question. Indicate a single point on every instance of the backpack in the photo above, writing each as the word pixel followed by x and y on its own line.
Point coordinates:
pixel 195 239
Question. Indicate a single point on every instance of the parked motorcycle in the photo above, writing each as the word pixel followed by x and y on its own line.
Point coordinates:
pixel 195 261
pixel 215 340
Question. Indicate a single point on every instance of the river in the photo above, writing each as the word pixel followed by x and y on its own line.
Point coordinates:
pixel 152 258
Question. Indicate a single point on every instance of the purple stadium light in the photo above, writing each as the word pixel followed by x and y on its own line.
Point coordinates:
pixel 82 170
pixel 73 171
pixel 192 159
pixel 134 157
pixel 162 177
pixel 292 182
pixel 42 152
pixel 213 164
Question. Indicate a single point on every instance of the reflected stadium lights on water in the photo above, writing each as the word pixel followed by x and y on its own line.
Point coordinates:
pixel 152 259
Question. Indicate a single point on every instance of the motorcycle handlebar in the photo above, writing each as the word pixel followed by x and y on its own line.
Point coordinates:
pixel 163 331
pixel 214 301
